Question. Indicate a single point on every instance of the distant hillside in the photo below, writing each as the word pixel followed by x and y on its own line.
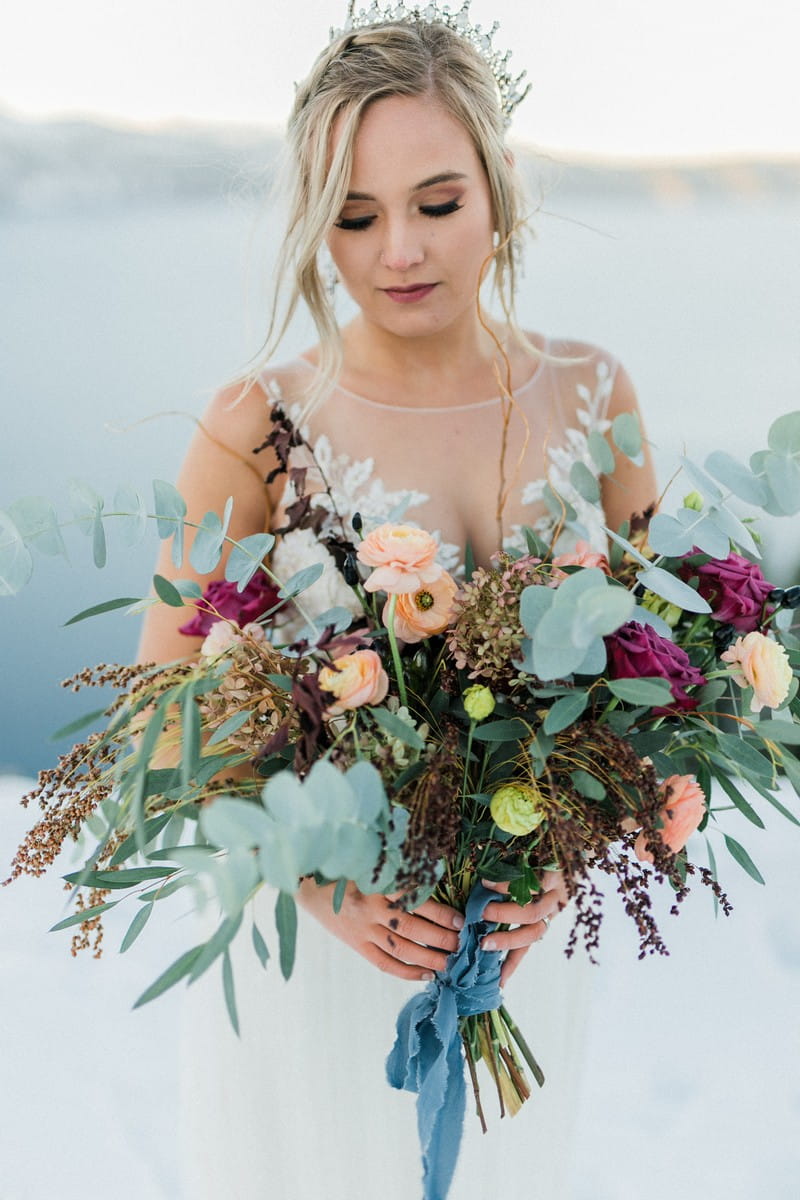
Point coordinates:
pixel 49 167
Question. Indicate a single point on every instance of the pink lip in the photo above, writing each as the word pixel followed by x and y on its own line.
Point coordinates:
pixel 409 295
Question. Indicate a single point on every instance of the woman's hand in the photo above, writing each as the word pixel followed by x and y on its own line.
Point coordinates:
pixel 410 945
pixel 529 920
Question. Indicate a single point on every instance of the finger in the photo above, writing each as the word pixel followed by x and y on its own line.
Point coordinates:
pixel 417 929
pixel 393 966
pixel 515 939
pixel 505 912
pixel 495 886
pixel 513 959
pixel 412 952
pixel 441 914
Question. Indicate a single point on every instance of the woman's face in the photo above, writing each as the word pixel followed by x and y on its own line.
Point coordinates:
pixel 417 223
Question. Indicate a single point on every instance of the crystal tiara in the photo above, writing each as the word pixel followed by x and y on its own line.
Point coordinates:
pixel 512 90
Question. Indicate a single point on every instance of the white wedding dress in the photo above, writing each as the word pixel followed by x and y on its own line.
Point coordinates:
pixel 298 1106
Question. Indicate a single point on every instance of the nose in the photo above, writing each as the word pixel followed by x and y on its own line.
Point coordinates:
pixel 402 246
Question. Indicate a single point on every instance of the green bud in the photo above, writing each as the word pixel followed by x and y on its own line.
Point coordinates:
pixel 694 501
pixel 478 702
pixel 662 608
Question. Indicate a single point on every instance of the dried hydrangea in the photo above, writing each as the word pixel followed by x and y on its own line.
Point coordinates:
pixel 487 632
pixel 246 687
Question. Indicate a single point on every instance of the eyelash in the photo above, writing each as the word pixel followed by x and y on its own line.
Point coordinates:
pixel 355 224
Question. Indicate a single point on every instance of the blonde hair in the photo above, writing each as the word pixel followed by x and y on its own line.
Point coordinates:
pixel 357 69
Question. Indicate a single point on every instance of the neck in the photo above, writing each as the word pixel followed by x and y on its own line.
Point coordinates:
pixel 441 360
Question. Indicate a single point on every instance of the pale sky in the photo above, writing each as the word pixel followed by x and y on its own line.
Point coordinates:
pixel 618 77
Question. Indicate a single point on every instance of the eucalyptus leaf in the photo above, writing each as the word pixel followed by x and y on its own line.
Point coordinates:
pixel 207 546
pixel 170 509
pixel 744 860
pixel 627 546
pixel 77 918
pixel 627 435
pixel 230 726
pixel 784 434
pixel 669 536
pixel 230 822
pixel 566 711
pixel 190 737
pixel 16 563
pixel 738 478
pixel 36 521
pixel 339 891
pixel 78 724
pixel 85 504
pixel 602 610
pixel 260 946
pixel 743 805
pixel 286 924
pixel 118 880
pixel 588 785
pixel 650 691
pixel 502 731
pixel 783 474
pixel 173 974
pixel 130 512
pixel 535 601
pixel 557 506
pixel 584 482
pixel 136 926
pixel 188 588
pixel 657 580
pixel 229 991
pixel 301 580
pixel 97 609
pixel 167 592
pixel 734 529
pixel 216 945
pixel 702 482
pixel 601 452
pixel 99 549
pixel 709 538
pixel 396 727
pixel 246 558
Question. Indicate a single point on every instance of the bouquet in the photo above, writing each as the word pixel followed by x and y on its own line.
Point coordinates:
pixel 563 711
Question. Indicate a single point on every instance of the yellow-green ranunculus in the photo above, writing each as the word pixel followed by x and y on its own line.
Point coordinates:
pixel 517 808
pixel 478 702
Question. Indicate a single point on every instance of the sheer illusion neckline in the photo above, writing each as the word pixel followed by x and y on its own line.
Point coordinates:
pixel 434 408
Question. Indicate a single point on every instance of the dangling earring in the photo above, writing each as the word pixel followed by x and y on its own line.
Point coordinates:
pixel 327 271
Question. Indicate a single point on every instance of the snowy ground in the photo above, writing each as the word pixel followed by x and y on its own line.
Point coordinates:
pixel 692 1086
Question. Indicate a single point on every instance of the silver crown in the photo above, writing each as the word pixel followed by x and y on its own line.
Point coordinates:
pixel 512 90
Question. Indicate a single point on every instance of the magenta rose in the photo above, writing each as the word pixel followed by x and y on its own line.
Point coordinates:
pixel 222 599
pixel 637 650
pixel 735 589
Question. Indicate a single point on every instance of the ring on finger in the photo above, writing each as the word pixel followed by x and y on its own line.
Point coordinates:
pixel 546 923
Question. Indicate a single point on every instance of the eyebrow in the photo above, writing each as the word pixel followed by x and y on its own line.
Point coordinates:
pixel 444 177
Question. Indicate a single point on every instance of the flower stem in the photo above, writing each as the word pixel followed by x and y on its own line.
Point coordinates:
pixel 398 666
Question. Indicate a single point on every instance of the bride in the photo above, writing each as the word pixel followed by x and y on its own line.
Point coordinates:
pixel 403 188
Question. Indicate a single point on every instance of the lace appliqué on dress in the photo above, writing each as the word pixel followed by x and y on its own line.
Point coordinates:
pixel 342 486
pixel 589 520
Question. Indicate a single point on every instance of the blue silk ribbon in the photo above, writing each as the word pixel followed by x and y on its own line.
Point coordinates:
pixel 427 1057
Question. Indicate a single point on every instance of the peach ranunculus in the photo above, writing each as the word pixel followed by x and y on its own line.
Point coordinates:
pixel 582 556
pixel 761 663
pixel 224 634
pixel 422 613
pixel 354 679
pixel 403 558
pixel 684 808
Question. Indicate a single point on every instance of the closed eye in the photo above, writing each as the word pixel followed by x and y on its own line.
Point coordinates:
pixel 440 210
pixel 428 210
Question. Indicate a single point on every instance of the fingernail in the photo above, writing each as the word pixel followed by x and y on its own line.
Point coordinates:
pixel 490 944
pixel 427 976
pixel 458 921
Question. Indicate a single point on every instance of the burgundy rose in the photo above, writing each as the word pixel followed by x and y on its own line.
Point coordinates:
pixel 223 599
pixel 637 650
pixel 735 589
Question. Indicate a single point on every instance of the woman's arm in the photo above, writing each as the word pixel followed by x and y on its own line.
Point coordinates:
pixel 219 463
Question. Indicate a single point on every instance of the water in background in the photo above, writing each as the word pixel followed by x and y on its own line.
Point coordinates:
pixel 121 312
